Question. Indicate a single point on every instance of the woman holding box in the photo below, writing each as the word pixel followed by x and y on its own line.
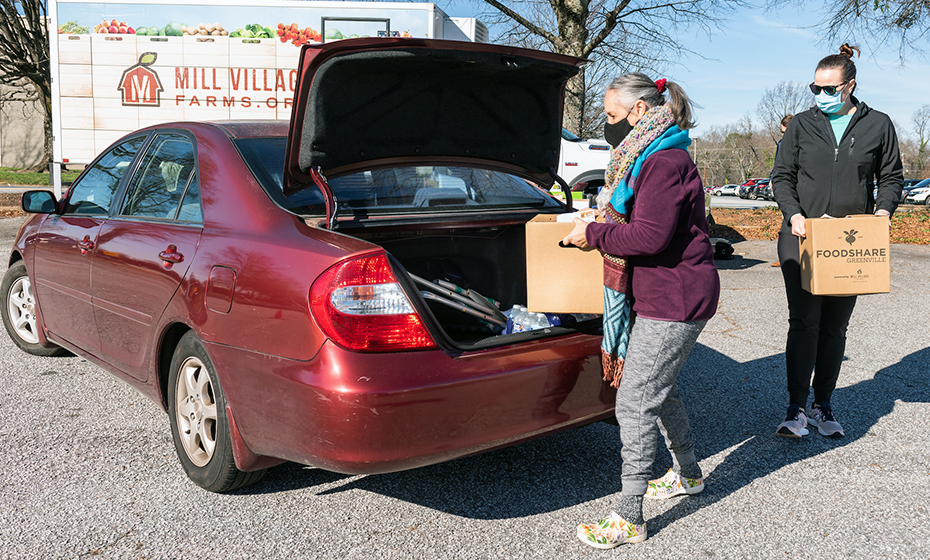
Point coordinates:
pixel 657 256
pixel 825 166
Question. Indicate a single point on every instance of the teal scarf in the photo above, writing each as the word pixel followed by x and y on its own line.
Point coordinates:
pixel 618 314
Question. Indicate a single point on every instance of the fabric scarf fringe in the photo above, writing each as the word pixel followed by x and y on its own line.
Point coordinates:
pixel 616 200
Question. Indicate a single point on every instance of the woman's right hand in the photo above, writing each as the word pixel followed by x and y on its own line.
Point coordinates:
pixel 798 226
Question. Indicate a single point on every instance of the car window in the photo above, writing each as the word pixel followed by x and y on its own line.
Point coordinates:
pixel 93 192
pixel 396 190
pixel 190 206
pixel 159 182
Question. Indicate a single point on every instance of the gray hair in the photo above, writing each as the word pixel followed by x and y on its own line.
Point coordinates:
pixel 630 88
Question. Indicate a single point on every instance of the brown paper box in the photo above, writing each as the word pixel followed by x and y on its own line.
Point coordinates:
pixel 846 256
pixel 561 279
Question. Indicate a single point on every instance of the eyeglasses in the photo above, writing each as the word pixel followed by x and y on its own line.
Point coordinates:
pixel 830 90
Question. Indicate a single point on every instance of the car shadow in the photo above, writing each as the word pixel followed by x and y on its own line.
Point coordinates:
pixel 581 465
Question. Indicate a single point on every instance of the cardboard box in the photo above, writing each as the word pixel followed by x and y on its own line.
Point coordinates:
pixel 561 279
pixel 846 256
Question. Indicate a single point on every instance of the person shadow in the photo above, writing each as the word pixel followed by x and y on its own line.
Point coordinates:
pixel 734 409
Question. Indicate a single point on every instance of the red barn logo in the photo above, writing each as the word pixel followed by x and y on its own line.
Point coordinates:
pixel 140 84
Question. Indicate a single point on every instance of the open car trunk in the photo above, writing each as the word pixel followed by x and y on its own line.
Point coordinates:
pixel 487 260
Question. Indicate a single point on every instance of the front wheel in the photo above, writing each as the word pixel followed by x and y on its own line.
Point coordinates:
pixel 199 427
pixel 19 313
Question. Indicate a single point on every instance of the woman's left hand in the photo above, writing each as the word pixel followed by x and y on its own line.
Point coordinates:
pixel 577 237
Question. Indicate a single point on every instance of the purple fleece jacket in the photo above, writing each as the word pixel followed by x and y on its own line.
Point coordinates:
pixel 666 242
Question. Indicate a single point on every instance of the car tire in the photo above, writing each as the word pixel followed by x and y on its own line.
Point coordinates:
pixel 716 193
pixel 199 427
pixel 753 196
pixel 19 313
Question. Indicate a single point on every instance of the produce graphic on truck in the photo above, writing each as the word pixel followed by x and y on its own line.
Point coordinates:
pixel 120 66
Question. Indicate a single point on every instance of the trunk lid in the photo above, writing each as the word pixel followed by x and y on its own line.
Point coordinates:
pixel 362 103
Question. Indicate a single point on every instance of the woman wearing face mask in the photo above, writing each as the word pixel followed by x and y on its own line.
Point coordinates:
pixel 825 166
pixel 657 257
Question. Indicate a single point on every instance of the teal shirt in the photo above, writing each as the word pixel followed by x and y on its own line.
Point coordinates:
pixel 839 124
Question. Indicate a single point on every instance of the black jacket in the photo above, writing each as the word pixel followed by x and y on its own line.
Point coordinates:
pixel 814 176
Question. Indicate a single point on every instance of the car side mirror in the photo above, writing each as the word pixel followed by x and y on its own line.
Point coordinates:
pixel 38 202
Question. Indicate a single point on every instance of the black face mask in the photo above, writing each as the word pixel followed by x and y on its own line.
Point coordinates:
pixel 615 133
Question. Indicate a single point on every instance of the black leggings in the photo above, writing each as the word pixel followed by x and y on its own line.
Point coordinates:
pixel 816 330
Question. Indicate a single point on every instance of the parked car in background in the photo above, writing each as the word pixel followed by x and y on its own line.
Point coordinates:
pixel 918 194
pixel 909 189
pixel 582 163
pixel 752 189
pixel 765 192
pixel 725 190
pixel 297 290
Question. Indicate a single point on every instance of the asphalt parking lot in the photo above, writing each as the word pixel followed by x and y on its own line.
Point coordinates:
pixel 89 470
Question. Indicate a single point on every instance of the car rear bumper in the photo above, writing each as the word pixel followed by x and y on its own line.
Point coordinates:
pixel 372 413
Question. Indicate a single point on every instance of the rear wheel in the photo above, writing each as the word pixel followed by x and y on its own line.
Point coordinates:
pixel 199 427
pixel 19 313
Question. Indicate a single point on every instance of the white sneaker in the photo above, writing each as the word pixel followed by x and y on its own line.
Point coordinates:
pixel 795 424
pixel 822 418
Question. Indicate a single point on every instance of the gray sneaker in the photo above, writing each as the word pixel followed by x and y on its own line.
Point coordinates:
pixel 822 418
pixel 795 424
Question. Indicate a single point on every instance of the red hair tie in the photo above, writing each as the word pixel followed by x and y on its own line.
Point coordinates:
pixel 660 84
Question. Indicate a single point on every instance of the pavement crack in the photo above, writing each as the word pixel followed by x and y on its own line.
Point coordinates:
pixel 100 550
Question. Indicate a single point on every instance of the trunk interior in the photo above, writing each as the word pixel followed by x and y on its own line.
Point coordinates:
pixel 489 260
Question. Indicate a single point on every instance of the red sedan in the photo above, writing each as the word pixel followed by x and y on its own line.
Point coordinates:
pixel 330 291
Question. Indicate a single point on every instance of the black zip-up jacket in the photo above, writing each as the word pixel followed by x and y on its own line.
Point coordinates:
pixel 813 175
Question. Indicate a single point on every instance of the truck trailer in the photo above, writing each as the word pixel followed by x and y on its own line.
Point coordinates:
pixel 120 66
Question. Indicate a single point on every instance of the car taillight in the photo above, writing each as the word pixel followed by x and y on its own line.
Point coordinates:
pixel 360 305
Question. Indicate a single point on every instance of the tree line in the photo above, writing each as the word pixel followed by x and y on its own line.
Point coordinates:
pixel 746 149
pixel 622 35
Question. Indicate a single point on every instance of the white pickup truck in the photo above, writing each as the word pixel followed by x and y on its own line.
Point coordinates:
pixel 582 163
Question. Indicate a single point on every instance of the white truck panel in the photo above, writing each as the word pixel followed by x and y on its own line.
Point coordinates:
pixel 105 85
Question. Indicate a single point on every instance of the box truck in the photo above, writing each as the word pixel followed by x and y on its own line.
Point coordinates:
pixel 120 66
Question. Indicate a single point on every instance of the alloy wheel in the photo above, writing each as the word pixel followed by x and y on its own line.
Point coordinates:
pixel 196 411
pixel 21 309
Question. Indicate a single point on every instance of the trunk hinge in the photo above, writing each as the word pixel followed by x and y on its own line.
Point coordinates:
pixel 332 205
pixel 565 189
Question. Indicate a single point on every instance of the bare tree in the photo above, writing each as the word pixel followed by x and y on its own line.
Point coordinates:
pixel 637 34
pixel 786 98
pixel 24 58
pixel 875 22
pixel 921 120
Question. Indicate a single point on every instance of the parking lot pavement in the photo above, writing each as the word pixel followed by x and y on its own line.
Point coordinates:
pixel 90 471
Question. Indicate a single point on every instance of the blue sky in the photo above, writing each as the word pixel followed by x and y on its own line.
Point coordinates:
pixel 755 50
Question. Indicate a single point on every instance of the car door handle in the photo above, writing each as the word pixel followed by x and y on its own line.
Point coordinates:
pixel 171 255
pixel 86 245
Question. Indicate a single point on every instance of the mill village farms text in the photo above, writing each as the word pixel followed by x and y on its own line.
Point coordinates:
pixel 225 87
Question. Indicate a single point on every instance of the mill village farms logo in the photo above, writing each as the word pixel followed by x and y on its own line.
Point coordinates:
pixel 140 85
pixel 203 87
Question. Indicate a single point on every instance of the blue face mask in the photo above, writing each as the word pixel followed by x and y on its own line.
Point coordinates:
pixel 829 103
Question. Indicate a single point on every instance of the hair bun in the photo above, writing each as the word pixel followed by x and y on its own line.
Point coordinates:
pixel 847 50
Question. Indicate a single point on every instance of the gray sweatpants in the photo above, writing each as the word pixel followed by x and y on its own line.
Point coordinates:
pixel 648 400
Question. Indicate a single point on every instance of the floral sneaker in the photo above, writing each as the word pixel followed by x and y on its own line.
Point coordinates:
pixel 822 418
pixel 611 532
pixel 795 424
pixel 673 484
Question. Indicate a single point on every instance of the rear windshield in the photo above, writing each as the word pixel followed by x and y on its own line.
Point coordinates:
pixel 395 190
